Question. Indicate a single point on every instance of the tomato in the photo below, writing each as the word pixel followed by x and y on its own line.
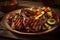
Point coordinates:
pixel 46 10
pixel 38 13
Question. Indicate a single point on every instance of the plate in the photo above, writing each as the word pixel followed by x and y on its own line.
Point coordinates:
pixel 5 24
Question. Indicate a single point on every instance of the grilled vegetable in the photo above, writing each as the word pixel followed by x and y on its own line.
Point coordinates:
pixel 16 17
pixel 49 14
pixel 47 26
pixel 47 10
pixel 43 8
pixel 39 14
pixel 43 17
pixel 31 9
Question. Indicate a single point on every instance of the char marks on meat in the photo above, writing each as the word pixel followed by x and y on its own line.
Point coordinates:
pixel 18 23
pixel 33 24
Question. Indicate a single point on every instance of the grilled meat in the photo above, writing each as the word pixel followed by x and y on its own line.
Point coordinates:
pixel 18 23
pixel 32 24
pixel 28 13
